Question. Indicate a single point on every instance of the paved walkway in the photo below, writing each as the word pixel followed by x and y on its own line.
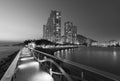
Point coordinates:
pixel 28 69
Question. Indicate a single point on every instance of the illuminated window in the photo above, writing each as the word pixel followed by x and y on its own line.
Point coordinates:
pixel 57 17
pixel 57 13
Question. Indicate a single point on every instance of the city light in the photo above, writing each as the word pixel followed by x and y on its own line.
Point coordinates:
pixel 28 58
pixel 30 64
pixel 41 76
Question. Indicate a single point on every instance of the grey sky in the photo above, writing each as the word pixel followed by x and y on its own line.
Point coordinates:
pixel 24 19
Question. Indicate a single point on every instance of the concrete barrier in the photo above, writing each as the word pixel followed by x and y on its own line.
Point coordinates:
pixel 11 69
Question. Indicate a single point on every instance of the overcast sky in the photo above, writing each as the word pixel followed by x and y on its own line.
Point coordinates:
pixel 24 19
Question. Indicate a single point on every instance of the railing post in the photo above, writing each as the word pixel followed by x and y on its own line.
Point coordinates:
pixel 50 71
pixel 45 59
pixel 61 77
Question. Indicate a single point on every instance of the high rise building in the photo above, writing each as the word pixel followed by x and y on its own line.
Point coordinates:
pixel 52 30
pixel 74 34
pixel 70 32
pixel 44 32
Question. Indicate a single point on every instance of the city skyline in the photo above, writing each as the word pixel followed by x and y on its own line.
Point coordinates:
pixel 21 20
pixel 52 29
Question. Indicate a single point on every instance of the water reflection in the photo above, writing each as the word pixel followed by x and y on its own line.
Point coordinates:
pixel 114 55
pixel 66 51
pixel 106 59
pixel 63 54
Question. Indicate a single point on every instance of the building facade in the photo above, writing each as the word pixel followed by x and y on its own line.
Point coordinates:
pixel 52 30
pixel 44 31
pixel 74 34
pixel 70 32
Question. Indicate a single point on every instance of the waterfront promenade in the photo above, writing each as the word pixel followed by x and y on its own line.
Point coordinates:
pixel 27 67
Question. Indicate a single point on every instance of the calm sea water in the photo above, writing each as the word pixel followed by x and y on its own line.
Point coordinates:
pixel 7 50
pixel 105 59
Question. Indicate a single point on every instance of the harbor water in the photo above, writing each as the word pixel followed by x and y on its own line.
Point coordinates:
pixel 105 59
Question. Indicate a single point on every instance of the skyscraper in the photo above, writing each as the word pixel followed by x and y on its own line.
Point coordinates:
pixel 70 32
pixel 44 32
pixel 52 30
pixel 74 34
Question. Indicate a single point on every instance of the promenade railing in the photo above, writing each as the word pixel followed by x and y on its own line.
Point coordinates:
pixel 77 72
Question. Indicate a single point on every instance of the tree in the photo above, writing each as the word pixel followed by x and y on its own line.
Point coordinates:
pixel 27 42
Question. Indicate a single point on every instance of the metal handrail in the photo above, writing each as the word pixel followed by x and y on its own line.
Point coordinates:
pixel 57 65
pixel 90 69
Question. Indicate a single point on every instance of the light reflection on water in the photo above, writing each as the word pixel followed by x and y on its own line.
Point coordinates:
pixel 115 55
pixel 64 54
pixel 106 59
